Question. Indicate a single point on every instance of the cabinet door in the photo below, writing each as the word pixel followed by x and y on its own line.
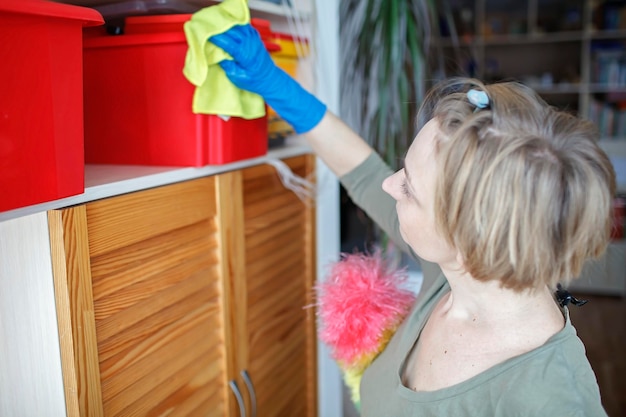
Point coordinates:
pixel 139 283
pixel 280 272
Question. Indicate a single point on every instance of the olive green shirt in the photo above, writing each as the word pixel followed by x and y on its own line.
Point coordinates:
pixel 552 380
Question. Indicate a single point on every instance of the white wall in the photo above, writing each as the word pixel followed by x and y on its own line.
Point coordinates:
pixel 31 382
pixel 328 232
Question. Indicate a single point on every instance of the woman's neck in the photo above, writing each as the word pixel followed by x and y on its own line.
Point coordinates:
pixel 488 302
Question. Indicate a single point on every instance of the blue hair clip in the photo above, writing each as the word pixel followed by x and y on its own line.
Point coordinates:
pixel 478 98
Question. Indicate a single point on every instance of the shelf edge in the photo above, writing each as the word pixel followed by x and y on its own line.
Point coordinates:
pixel 103 181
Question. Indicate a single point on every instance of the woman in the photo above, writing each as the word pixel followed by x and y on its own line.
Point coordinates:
pixel 501 198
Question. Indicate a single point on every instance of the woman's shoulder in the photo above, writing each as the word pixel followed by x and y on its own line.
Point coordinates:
pixel 552 380
pixel 558 377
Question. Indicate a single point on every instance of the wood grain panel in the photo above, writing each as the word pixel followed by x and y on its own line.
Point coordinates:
pixel 278 298
pixel 161 300
pixel 257 267
pixel 281 359
pixel 278 337
pixel 233 263
pixel 196 403
pixel 144 261
pixel 283 203
pixel 178 340
pixel 157 291
pixel 72 275
pixel 154 329
pixel 64 312
pixel 184 371
pixel 280 226
pixel 292 267
pixel 295 373
pixel 121 221
pixel 285 240
pixel 262 182
pixel 278 395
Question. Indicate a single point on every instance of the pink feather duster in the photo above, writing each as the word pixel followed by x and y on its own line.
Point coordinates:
pixel 360 306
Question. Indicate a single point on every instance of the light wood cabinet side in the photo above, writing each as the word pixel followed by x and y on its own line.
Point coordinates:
pixel 75 311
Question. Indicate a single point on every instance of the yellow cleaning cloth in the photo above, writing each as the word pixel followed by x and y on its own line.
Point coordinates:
pixel 214 93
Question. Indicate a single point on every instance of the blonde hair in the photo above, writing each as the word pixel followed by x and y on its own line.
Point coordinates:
pixel 523 190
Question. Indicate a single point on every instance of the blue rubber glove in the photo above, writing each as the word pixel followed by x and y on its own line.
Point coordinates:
pixel 252 69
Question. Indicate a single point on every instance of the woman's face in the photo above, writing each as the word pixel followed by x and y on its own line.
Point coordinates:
pixel 413 188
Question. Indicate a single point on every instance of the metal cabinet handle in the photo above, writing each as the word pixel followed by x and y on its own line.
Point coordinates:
pixel 250 385
pixel 235 389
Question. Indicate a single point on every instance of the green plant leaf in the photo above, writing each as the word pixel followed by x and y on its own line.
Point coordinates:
pixel 384 44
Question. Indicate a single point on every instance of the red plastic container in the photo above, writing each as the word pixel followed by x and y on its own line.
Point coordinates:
pixel 138 102
pixel 41 101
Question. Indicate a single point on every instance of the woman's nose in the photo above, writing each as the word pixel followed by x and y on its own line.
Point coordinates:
pixel 388 185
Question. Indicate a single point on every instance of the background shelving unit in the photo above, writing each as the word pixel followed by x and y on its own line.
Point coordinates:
pixel 572 52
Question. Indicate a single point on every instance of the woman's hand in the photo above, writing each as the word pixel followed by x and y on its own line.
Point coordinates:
pixel 252 69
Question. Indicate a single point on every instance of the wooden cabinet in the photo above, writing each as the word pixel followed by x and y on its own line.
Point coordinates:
pixel 280 272
pixel 170 298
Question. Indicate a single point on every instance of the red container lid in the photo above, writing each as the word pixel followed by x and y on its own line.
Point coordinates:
pixel 155 23
pixel 163 29
pixel 89 17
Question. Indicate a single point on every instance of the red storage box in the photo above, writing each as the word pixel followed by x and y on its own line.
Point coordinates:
pixel 41 101
pixel 138 103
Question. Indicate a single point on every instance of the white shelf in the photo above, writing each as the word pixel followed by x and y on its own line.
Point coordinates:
pixel 276 9
pixel 607 34
pixel 263 7
pixel 103 181
pixel 557 88
pixel 518 39
pixel 578 88
pixel 534 38
pixel 606 88
pixel 259 6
